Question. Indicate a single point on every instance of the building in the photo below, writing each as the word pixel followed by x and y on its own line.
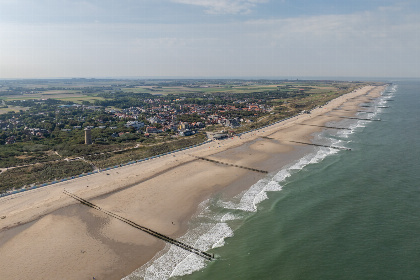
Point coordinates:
pixel 232 123
pixel 186 133
pixel 217 135
pixel 135 124
pixel 88 136
pixel 151 129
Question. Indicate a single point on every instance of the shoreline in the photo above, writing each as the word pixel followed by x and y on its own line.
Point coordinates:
pixel 44 230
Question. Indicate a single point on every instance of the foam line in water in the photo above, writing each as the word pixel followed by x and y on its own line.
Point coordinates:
pixel 211 226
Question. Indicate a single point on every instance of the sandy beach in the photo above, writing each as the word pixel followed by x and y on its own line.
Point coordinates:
pixel 48 235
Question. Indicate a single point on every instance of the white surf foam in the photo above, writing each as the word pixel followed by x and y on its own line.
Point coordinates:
pixel 214 226
pixel 212 223
pixel 175 261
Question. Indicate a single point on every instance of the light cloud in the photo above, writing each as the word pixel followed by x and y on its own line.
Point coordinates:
pixel 379 42
pixel 224 6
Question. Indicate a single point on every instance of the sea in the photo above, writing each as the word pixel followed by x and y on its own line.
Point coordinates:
pixel 333 214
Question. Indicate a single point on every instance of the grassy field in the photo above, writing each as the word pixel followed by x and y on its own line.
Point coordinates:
pixel 75 95
pixel 210 89
pixel 116 158
pixel 70 95
pixel 40 173
pixel 80 99
pixel 12 108
pixel 59 169
pixel 309 88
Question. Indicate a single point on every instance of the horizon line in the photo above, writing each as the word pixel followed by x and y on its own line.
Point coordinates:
pixel 211 78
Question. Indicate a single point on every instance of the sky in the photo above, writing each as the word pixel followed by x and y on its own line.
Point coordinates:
pixel 209 38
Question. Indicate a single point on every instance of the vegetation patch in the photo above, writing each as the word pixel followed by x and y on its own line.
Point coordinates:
pixel 124 156
pixel 40 173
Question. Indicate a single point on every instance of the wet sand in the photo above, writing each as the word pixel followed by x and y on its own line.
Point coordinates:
pixel 47 235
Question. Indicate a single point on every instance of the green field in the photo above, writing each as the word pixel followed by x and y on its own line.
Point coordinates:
pixel 12 108
pixel 249 88
pixel 65 95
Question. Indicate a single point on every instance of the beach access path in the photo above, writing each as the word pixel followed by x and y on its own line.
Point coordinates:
pixel 45 234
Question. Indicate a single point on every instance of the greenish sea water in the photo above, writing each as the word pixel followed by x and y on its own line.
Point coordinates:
pixel 332 215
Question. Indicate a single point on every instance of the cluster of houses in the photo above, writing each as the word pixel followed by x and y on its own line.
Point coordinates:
pixel 158 116
pixel 164 117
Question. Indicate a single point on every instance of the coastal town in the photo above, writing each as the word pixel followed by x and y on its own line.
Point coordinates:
pixel 46 122
pixel 175 115
pixel 183 119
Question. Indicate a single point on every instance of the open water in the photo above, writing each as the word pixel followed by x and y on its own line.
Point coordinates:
pixel 334 214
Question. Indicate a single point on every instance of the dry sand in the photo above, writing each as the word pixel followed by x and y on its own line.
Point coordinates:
pixel 47 235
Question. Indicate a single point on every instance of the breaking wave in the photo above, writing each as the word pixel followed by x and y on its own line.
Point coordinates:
pixel 217 218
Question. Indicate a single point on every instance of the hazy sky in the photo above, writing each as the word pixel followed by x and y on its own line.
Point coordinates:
pixel 209 38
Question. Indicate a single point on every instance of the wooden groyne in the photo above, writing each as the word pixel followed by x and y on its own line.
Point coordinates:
pixel 369 106
pixel 359 111
pixel 231 164
pixel 145 229
pixel 385 99
pixel 354 118
pixel 319 145
pixel 324 126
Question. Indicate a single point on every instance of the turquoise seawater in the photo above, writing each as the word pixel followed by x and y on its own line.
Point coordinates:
pixel 332 215
pixel 353 215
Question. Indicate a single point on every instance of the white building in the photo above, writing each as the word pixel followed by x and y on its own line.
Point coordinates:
pixel 135 124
